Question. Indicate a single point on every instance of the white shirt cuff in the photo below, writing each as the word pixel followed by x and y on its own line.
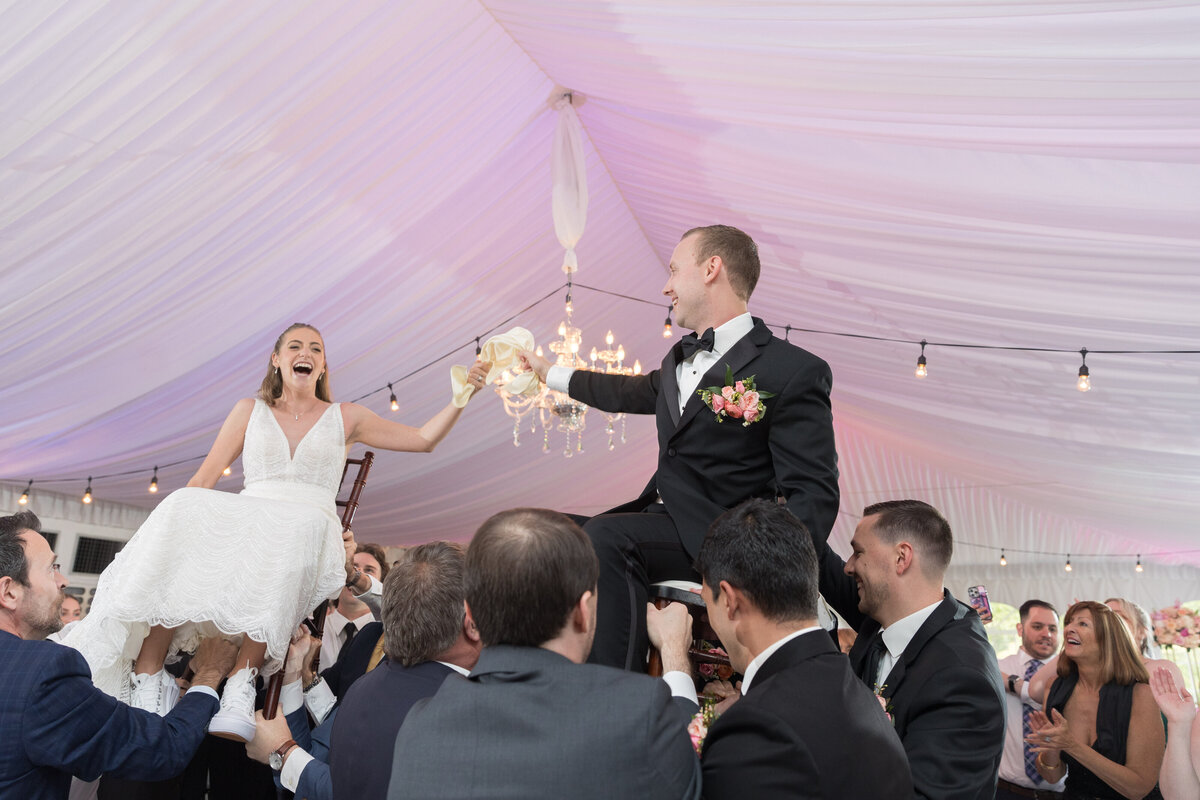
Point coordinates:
pixel 681 685
pixel 559 378
pixel 376 588
pixel 297 760
pixel 1026 699
pixel 320 701
pixel 291 697
pixel 208 690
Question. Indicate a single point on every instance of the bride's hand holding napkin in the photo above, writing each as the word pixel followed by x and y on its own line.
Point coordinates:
pixel 503 353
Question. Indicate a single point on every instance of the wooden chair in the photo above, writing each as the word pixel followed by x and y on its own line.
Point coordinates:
pixel 688 593
pixel 348 507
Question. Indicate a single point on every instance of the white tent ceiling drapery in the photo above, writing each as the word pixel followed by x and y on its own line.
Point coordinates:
pixel 180 180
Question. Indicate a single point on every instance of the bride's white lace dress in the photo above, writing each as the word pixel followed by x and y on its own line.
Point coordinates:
pixel 206 561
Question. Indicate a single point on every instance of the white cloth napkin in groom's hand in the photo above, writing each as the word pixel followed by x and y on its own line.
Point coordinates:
pixel 504 351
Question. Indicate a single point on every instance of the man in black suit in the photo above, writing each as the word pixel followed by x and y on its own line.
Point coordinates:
pixel 923 651
pixel 805 727
pixel 428 636
pixel 779 443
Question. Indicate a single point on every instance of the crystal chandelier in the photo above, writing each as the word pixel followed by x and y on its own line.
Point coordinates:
pixel 556 409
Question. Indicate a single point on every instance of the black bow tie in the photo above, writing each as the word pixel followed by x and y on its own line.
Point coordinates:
pixel 691 343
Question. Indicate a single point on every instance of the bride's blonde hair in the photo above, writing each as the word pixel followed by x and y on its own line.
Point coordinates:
pixel 272 384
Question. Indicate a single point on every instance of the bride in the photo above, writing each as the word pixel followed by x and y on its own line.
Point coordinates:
pixel 253 564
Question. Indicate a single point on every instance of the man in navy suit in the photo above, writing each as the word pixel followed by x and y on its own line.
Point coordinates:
pixel 712 453
pixel 53 721
pixel 428 636
pixel 806 726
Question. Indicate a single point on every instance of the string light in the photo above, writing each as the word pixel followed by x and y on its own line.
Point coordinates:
pixel 395 403
pixel 1003 560
pixel 228 470
pixel 154 482
pixel 87 495
pixel 1083 384
pixel 478 349
pixel 1067 568
pixel 1139 568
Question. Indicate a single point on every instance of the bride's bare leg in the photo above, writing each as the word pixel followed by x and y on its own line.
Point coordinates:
pixel 154 651
pixel 251 654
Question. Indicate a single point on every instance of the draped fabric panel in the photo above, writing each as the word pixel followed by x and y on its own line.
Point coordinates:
pixel 181 180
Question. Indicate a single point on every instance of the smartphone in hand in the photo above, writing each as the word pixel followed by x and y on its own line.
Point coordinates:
pixel 977 596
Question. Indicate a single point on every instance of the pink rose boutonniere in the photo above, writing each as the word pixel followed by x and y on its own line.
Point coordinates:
pixel 698 728
pixel 885 703
pixel 737 399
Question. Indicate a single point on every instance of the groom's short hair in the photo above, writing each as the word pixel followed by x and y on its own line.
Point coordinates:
pixel 526 570
pixel 738 253
pixel 763 550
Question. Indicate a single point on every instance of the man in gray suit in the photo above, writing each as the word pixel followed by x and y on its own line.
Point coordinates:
pixel 533 720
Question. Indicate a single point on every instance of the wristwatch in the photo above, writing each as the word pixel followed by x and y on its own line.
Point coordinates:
pixel 353 582
pixel 1012 683
pixel 276 759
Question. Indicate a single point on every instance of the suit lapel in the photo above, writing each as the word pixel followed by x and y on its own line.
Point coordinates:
pixel 670 383
pixel 941 616
pixel 734 359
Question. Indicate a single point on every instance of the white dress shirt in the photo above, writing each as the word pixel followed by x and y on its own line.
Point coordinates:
pixel 335 635
pixel 689 371
pixel 895 638
pixel 761 658
pixel 1012 761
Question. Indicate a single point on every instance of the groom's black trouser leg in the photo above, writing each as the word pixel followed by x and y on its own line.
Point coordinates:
pixel 634 550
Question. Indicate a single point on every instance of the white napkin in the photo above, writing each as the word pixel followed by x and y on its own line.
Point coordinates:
pixel 504 352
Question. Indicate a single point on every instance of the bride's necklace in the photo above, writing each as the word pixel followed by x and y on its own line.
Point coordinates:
pixel 296 415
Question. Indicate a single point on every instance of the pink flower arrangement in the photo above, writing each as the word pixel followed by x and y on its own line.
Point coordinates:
pixel 1176 626
pixel 698 728
pixel 884 703
pixel 737 399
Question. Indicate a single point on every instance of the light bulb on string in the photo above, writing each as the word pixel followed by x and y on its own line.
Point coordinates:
pixel 227 471
pixel 1084 383
pixel 478 349
pixel 87 495
pixel 154 482
pixel 1003 560
pixel 667 333
pixel 25 495
pixel 1138 567
pixel 922 371
pixel 1067 567
pixel 394 403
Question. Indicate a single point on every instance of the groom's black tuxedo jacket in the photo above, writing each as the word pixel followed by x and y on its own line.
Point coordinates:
pixel 706 466
pixel 807 728
pixel 945 691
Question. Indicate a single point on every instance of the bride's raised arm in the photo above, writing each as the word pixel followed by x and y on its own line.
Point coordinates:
pixel 364 425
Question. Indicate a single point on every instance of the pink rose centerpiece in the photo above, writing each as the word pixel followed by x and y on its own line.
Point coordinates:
pixel 1176 626
pixel 737 399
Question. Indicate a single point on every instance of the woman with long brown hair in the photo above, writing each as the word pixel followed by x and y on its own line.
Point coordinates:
pixel 1103 730
pixel 253 564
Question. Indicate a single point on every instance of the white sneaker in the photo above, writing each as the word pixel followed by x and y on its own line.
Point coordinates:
pixel 157 693
pixel 235 720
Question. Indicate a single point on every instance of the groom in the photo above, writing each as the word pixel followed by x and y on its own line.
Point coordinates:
pixel 708 460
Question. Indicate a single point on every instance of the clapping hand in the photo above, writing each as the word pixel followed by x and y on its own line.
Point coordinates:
pixel 1174 702
pixel 1050 734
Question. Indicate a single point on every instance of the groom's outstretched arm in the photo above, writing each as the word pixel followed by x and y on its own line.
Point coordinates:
pixel 632 394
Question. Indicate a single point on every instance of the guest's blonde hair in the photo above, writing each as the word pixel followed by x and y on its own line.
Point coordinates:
pixel 1119 659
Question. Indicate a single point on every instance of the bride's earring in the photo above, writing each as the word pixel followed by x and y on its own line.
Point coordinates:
pixel 277 370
